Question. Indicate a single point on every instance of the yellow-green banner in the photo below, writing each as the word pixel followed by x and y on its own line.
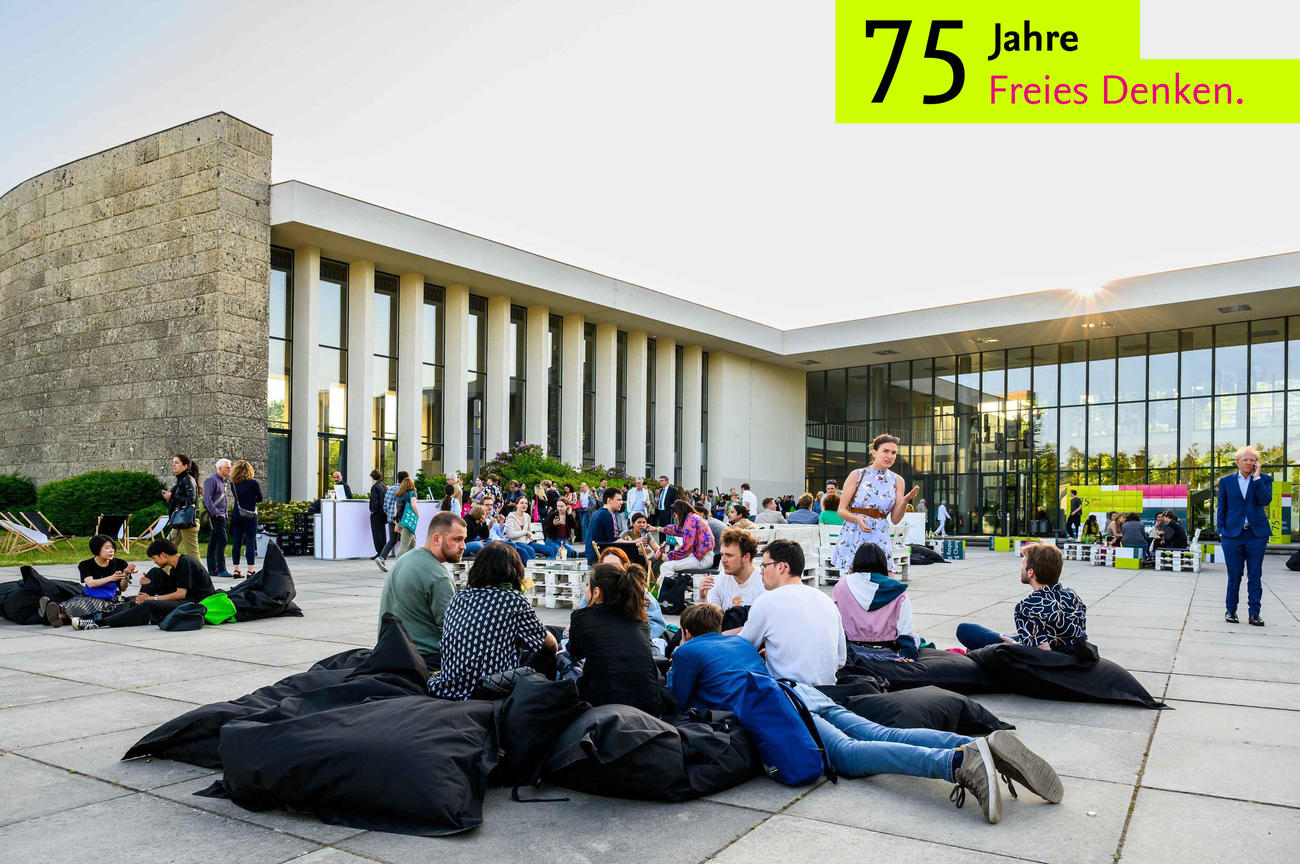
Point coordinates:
pixel 1037 62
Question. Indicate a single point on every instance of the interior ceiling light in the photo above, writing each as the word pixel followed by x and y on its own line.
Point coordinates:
pixel 1228 310
pixel 886 352
pixel 809 362
pixel 984 340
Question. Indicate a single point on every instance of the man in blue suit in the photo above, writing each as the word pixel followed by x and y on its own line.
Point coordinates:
pixel 1243 530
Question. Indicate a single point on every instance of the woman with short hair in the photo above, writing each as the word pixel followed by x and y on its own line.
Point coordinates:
pixel 612 636
pixel 103 579
pixel 490 627
pixel 247 494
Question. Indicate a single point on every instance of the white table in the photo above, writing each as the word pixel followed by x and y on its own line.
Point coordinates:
pixel 344 530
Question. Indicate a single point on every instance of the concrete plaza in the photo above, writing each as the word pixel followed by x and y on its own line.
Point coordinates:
pixel 1214 780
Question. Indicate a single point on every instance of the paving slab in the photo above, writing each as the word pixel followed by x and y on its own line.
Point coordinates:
pixel 33 725
pixel 1095 752
pixel 1230 691
pixel 24 688
pixel 586 828
pixel 917 808
pixel 763 793
pixel 218 688
pixel 32 789
pixel 297 824
pixel 784 839
pixel 147 829
pixel 100 756
pixel 1174 827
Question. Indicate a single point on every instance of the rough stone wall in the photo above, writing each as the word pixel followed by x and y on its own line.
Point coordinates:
pixel 133 305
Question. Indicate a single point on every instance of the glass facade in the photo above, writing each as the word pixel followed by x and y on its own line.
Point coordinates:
pixel 677 414
pixel 383 386
pixel 651 384
pixel 332 375
pixel 279 365
pixel 554 378
pixel 588 394
pixel 704 421
pixel 431 411
pixel 476 383
pixel 516 368
pixel 620 401
pixel 998 435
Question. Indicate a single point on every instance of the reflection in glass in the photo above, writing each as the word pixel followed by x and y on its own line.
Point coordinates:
pixel 1230 358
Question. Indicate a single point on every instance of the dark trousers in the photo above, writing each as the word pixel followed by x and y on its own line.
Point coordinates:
pixel 217 546
pixel 1072 528
pixel 393 537
pixel 378 531
pixel 138 614
pixel 1244 552
pixel 976 636
pixel 243 530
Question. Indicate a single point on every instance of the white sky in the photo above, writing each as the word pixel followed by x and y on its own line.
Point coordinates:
pixel 687 147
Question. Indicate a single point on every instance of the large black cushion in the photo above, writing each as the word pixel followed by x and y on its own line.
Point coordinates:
pixel 944 669
pixel 1081 676
pixel 267 593
pixel 623 752
pixel 527 721
pixel 927 708
pixel 20 601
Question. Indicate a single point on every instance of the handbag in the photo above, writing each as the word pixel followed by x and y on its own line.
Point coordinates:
pixel 409 518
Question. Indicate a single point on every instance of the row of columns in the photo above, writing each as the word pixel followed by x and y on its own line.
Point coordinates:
pixel 304 419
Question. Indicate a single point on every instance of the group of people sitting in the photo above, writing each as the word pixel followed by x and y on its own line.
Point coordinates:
pixel 1127 530
pixel 174 579
pixel 757 617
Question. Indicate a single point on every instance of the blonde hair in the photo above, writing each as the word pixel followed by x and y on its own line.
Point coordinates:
pixel 241 472
pixel 478 511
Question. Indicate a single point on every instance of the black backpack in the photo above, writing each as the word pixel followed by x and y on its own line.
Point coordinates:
pixel 1293 563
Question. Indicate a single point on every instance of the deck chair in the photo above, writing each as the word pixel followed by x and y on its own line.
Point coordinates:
pixel 117 526
pixel 24 538
pixel 36 519
pixel 154 530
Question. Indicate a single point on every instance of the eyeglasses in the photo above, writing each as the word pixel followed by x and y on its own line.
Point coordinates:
pixel 768 564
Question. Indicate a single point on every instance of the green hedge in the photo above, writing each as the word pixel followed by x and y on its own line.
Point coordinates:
pixel 16 492
pixel 73 504
pixel 279 514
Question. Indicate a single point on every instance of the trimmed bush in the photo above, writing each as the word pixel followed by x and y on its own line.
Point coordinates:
pixel 17 492
pixel 144 517
pixel 73 504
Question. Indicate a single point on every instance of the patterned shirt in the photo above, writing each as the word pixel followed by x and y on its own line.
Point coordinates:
pixel 697 539
pixel 1051 614
pixel 486 631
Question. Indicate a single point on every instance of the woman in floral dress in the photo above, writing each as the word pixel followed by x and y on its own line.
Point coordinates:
pixel 873 497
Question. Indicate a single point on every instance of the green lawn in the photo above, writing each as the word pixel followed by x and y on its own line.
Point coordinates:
pixel 80 552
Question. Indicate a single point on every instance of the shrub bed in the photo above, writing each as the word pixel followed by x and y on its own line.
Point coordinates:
pixel 74 503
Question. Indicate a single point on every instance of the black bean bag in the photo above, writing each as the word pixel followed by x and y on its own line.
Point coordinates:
pixel 267 593
pixel 1080 676
pixel 20 601
pixel 410 765
pixel 925 555
pixel 623 752
pixel 933 667
pixel 392 669
pixel 927 708
pixel 527 719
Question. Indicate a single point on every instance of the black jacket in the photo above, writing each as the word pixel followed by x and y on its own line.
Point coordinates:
pixel 619 667
pixel 377 493
pixel 184 493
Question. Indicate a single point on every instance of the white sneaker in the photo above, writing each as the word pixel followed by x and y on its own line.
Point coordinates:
pixel 84 624
pixel 379 562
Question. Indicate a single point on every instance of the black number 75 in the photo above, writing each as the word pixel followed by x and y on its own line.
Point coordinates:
pixel 932 52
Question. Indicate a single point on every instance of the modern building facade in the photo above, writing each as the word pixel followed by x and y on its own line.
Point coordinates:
pixel 161 295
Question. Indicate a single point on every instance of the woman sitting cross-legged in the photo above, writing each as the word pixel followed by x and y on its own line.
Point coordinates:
pixel 517 530
pixel 103 578
pixel 875 608
pixel 559 528
pixel 490 627
pixel 612 636
pixel 477 524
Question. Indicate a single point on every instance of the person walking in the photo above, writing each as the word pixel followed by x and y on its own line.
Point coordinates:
pixel 1244 529
pixel 183 505
pixel 873 498
pixel 941 520
pixel 378 518
pixel 216 500
pixel 247 494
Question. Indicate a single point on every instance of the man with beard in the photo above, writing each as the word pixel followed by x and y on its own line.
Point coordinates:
pixel 418 589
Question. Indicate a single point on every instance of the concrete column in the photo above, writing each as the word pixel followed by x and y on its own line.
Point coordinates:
pixel 605 414
pixel 410 372
pixel 361 366
pixel 665 407
pixel 303 406
pixel 538 372
pixel 496 399
pixel 634 424
pixel 455 390
pixel 571 392
pixel 692 396
pixel 729 398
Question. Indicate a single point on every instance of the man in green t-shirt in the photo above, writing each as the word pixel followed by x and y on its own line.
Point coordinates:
pixel 418 588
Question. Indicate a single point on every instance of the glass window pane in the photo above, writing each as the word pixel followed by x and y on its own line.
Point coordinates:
pixel 816 396
pixel 1074 373
pixel 434 303
pixel 1267 411
pixel 332 320
pixel 1162 368
pixel 1293 354
pixel 477 333
pixel 968 380
pixel 1074 440
pixel 332 390
pixel 1196 361
pixel 1101 370
pixel 1045 371
pixel 1267 347
pixel 1194 433
pixel 279 357
pixel 859 383
pixel 1130 436
pixel 1162 434
pixel 835 393
pixel 384 314
pixel 1101 440
pixel 1293 433
pixel 1230 358
pixel 945 382
pixel 278 310
pixel 879 389
pixel 383 390
pixel 431 409
pixel 1132 367
pixel 1229 427
pixel 1019 363
pixel 993 381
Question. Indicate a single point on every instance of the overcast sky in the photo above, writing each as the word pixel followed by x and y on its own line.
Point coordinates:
pixel 687 147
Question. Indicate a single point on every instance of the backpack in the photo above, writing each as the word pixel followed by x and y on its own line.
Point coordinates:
pixel 783 732
pixel 218 608
pixel 186 616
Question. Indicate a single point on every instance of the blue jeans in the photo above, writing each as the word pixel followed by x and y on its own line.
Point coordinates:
pixel 243 531
pixel 975 636
pixel 857 747
pixel 1244 552
pixel 525 551
pixel 217 546
pixel 550 549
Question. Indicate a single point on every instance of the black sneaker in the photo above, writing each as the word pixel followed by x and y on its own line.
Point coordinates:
pixel 1016 762
pixel 978 774
pixel 53 613
pixel 380 563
